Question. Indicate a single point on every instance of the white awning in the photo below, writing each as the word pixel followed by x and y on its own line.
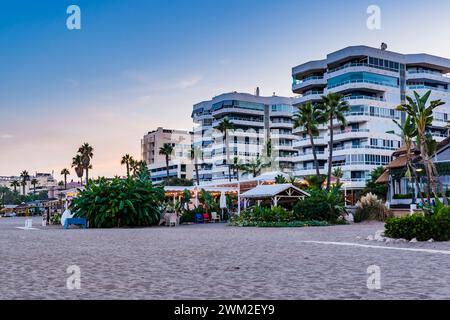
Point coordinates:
pixel 269 191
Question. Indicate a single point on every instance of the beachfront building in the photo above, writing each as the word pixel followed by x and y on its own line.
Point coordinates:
pixel 262 128
pixel 373 81
pixel 180 165
pixel 45 182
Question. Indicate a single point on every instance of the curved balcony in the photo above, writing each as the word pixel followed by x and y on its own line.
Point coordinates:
pixel 305 142
pixel 299 86
pixel 308 156
pixel 360 84
pixel 350 134
pixel 309 96
pixel 428 75
pixel 237 110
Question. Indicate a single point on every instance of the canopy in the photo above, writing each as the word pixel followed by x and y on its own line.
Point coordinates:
pixel 269 191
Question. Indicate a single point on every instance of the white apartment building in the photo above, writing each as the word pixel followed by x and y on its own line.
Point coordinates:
pixel 257 120
pixel 374 82
pixel 45 182
pixel 180 165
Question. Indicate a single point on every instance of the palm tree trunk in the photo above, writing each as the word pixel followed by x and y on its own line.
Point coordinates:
pixel 196 173
pixel 128 169
pixel 330 156
pixel 428 168
pixel 441 187
pixel 316 162
pixel 227 151
pixel 65 182
pixel 167 166
pixel 87 176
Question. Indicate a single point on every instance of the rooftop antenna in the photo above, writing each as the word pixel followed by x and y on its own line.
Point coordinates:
pixel 384 46
pixel 257 92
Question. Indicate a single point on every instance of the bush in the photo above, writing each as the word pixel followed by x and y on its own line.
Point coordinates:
pixel 55 219
pixel 291 224
pixel 321 206
pixel 129 202
pixel 402 196
pixel 370 208
pixel 422 228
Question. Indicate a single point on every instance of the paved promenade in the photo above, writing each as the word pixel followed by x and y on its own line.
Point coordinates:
pixel 217 262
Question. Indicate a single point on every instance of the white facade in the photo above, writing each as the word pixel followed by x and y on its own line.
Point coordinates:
pixel 46 182
pixel 374 82
pixel 257 120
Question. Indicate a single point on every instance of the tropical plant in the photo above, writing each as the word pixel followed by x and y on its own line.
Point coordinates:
pixel 421 114
pixel 280 179
pixel 255 167
pixel 127 160
pixel 25 176
pixel 308 116
pixel 86 152
pixel 224 127
pixel 237 166
pixel 120 203
pixel 315 181
pixel 380 190
pixel 15 184
pixel 370 208
pixel 338 174
pixel 34 182
pixel 65 172
pixel 332 108
pixel 166 150
pixel 77 163
pixel 322 205
pixel 408 132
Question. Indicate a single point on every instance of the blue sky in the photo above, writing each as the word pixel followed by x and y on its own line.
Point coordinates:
pixel 137 64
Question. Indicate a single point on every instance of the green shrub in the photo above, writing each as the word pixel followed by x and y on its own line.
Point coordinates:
pixel 422 228
pixel 279 224
pixel 402 196
pixel 55 219
pixel 321 206
pixel 120 202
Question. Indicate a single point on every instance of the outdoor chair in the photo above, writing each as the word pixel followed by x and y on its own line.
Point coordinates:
pixel 215 217
pixel 206 218
pixel 173 220
pixel 198 218
pixel 75 221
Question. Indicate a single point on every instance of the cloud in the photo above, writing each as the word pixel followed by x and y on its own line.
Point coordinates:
pixel 148 83
pixel 190 81
pixel 6 136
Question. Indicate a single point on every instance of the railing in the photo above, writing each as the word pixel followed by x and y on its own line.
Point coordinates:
pixel 351 131
pixel 312 78
pixel 415 87
pixel 362 81
pixel 311 153
pixel 308 139
pixel 309 93
pixel 363 147
pixel 350 65
pixel 348 114
pixel 437 73
pixel 363 97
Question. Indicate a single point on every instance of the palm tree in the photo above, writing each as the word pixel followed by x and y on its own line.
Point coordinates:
pixel 77 163
pixel 15 184
pixel 65 172
pixel 34 182
pixel 236 166
pixel 86 152
pixel 195 152
pixel 308 117
pixel 25 177
pixel 127 160
pixel 408 133
pixel 255 167
pixel 422 116
pixel 338 174
pixel 166 150
pixel 332 108
pixel 224 126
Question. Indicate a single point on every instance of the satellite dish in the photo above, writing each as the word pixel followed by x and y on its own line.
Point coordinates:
pixel 384 46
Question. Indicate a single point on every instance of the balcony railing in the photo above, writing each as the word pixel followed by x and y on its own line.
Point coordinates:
pixel 350 65
pixel 363 147
pixel 363 97
pixel 351 131
pixel 362 81
pixel 312 78
pixel 436 73
pixel 419 87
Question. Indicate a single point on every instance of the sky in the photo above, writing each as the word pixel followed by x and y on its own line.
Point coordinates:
pixel 136 65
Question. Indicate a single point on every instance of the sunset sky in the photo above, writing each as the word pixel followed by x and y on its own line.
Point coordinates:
pixel 136 65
